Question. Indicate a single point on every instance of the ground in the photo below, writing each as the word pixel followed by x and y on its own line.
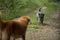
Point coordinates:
pixel 49 31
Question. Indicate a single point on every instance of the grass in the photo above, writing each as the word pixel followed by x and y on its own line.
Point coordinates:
pixel 33 19
pixel 21 7
pixel 33 27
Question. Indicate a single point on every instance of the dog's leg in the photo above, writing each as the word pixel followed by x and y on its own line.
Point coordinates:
pixel 23 37
pixel 5 36
pixel 13 37
pixel 8 36
pixel 0 33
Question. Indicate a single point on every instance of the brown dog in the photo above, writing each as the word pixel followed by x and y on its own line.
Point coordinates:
pixel 16 28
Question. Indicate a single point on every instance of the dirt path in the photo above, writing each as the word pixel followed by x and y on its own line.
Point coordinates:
pixel 50 31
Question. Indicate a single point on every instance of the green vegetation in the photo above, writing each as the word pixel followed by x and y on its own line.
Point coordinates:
pixel 14 8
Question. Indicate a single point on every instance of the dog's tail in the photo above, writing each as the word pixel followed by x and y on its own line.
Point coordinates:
pixel 0 26
pixel 1 21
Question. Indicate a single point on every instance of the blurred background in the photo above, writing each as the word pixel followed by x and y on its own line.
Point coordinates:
pixel 15 8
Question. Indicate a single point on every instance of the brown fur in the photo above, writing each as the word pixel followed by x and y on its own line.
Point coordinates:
pixel 16 28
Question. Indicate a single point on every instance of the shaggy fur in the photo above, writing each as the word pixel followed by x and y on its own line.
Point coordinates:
pixel 16 28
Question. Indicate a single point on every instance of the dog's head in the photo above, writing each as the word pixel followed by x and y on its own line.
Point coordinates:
pixel 24 19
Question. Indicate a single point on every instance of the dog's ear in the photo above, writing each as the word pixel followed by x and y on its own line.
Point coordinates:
pixel 28 19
